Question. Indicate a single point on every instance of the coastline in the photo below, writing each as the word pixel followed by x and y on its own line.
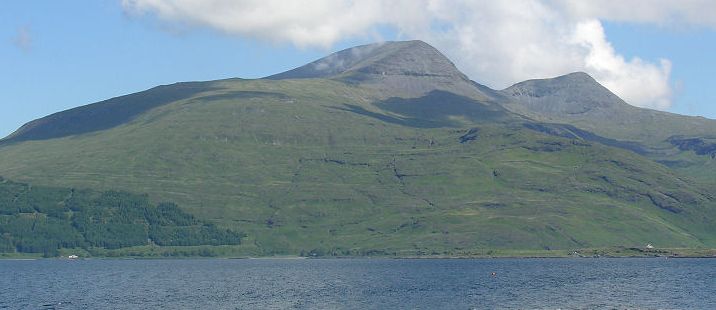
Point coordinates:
pixel 611 252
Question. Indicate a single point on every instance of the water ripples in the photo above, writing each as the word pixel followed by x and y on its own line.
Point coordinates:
pixel 359 284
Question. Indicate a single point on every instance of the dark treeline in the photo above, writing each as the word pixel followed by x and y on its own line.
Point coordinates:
pixel 44 219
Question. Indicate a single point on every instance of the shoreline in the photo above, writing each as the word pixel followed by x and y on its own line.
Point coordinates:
pixel 358 258
pixel 617 252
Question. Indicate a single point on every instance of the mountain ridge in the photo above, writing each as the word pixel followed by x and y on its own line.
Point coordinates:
pixel 104 114
pixel 386 67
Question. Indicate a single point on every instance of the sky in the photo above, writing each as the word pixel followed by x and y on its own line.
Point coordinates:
pixel 56 55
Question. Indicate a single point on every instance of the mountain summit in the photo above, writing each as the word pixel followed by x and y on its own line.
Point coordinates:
pixel 404 58
pixel 578 99
pixel 574 93
pixel 398 68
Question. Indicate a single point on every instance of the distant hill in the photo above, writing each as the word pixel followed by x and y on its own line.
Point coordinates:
pixel 388 148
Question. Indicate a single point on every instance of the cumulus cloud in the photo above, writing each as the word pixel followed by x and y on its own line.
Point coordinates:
pixel 303 23
pixel 23 39
pixel 495 42
pixel 636 80
pixel 698 13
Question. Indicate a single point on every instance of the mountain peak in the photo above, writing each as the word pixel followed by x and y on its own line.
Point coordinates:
pixel 578 75
pixel 392 69
pixel 574 93
pixel 569 80
pixel 408 58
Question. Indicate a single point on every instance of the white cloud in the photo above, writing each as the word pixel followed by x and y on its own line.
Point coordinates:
pixel 635 80
pixel 495 42
pixel 662 12
pixel 303 23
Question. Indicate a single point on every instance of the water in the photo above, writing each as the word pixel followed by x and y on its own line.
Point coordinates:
pixel 359 284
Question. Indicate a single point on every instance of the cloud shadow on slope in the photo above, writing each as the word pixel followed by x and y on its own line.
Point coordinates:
pixel 435 109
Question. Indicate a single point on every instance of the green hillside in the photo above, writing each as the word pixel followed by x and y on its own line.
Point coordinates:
pixel 337 163
pixel 684 143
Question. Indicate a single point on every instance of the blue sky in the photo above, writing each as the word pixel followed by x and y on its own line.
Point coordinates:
pixel 57 55
pixel 691 52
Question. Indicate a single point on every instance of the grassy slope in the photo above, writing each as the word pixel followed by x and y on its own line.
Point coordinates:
pixel 296 171
pixel 630 123
pixel 649 128
pixel 652 129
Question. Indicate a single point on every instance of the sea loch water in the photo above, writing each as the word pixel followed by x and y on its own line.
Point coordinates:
pixel 359 284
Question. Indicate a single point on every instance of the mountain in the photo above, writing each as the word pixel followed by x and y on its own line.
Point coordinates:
pixel 578 99
pixel 686 143
pixel 405 58
pixel 405 68
pixel 571 95
pixel 384 71
pixel 383 149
